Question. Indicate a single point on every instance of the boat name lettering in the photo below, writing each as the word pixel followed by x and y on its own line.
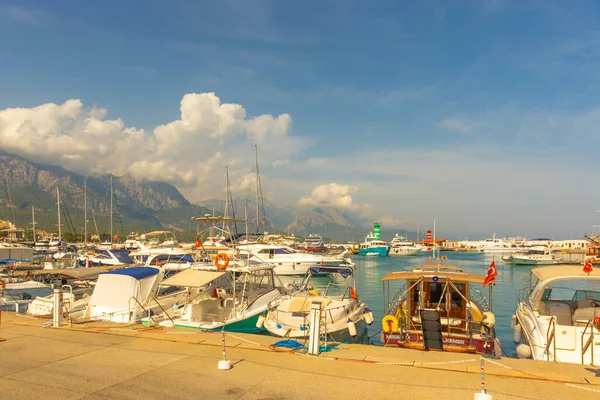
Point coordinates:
pixel 454 341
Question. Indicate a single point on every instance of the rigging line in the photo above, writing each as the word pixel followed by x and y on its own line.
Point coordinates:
pixel 66 211
pixel 5 181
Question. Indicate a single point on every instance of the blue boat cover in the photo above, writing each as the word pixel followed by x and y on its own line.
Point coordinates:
pixel 343 271
pixel 123 256
pixel 135 272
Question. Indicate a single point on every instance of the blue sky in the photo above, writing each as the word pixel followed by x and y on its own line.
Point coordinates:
pixel 480 113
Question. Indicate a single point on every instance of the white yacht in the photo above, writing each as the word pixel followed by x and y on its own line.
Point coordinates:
pixel 288 261
pixel 559 320
pixel 534 256
pixel 399 246
pixel 496 245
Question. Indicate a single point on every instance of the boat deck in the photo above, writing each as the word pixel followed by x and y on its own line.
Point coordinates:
pixel 103 360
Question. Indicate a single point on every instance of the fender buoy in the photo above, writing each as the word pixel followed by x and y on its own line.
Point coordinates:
pixel 353 293
pixel 2 284
pixel 221 256
pixel 313 292
pixel 389 324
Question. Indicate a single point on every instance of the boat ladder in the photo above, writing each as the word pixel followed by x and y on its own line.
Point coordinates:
pixel 551 338
pixel 589 344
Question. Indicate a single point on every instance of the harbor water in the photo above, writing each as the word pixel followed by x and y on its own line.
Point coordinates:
pixel 509 282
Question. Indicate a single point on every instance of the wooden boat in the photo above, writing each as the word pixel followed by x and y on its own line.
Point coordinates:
pixel 435 311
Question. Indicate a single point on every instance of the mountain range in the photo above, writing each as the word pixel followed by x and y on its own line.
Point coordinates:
pixel 142 206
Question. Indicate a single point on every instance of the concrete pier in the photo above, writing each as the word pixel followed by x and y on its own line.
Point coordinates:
pixel 109 361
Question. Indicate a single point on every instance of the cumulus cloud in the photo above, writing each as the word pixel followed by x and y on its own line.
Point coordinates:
pixel 331 195
pixel 190 152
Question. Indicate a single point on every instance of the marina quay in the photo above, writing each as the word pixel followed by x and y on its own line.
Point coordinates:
pixel 266 199
pixel 100 360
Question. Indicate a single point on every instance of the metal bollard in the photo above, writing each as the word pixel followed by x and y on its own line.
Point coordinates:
pixel 314 335
pixel 57 297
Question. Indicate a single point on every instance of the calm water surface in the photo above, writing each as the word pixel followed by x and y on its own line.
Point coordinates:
pixel 510 280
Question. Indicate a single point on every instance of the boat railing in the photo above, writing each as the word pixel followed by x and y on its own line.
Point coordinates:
pixel 163 310
pixel 551 338
pixel 143 308
pixel 589 343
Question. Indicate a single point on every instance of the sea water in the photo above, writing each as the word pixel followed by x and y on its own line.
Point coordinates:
pixel 510 281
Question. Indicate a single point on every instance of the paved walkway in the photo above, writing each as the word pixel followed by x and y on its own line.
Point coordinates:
pixel 103 361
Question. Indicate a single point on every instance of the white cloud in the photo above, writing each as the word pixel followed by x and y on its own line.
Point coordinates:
pixel 455 125
pixel 331 195
pixel 191 152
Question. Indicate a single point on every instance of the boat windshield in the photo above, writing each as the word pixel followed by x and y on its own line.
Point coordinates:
pixel 572 291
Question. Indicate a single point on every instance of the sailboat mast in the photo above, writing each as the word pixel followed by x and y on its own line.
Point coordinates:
pixel 58 204
pixel 257 185
pixel 33 222
pixel 85 210
pixel 111 209
pixel 433 238
pixel 225 212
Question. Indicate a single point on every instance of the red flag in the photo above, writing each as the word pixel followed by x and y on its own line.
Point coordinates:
pixel 198 244
pixel 492 273
pixel 588 267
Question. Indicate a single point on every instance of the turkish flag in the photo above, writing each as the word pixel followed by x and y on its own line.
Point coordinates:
pixel 588 267
pixel 492 273
pixel 198 244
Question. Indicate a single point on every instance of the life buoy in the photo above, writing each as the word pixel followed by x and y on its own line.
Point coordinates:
pixel 353 293
pixel 218 258
pixel 389 324
pixel 2 284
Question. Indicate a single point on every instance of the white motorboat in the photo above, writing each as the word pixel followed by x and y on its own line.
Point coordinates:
pixel 77 285
pixel 129 294
pixel 15 295
pixel 344 315
pixel 313 242
pixel 231 299
pixel 534 256
pixel 288 261
pixel 399 246
pixel 559 319
pixel 111 257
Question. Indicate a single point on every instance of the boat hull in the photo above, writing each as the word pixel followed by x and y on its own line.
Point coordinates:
pixel 379 251
pixel 524 261
pixel 245 325
pixel 404 252
pixel 453 344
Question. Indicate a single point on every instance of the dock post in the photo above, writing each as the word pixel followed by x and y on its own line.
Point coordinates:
pixel 57 317
pixel 224 364
pixel 314 335
pixel 482 395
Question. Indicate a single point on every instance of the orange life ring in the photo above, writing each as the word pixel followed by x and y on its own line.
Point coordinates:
pixel 218 258
pixel 2 284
